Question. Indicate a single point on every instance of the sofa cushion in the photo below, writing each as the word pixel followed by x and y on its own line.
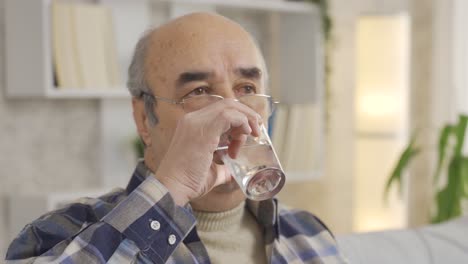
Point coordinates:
pixel 441 243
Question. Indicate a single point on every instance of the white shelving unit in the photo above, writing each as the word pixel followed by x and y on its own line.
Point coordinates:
pixel 289 33
pixel 29 49
pixel 114 93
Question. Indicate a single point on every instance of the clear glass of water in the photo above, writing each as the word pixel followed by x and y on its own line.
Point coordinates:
pixel 256 169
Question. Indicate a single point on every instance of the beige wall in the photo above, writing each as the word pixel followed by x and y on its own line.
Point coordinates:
pixel 419 195
pixel 331 197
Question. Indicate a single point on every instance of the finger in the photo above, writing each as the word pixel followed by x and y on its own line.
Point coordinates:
pixel 231 119
pixel 235 145
pixel 254 119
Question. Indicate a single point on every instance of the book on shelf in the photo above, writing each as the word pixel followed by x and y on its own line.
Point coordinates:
pixel 110 49
pixel 84 47
pixel 63 42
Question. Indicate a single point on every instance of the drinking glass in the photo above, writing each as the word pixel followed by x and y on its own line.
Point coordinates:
pixel 256 168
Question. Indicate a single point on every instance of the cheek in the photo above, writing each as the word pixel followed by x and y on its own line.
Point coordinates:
pixel 161 138
pixel 163 132
pixel 168 115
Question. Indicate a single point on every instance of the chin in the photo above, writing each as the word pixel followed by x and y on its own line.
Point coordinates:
pixel 221 198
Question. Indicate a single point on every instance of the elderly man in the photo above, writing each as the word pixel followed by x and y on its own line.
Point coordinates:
pixel 181 206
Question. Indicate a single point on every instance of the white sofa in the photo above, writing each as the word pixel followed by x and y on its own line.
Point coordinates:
pixel 445 243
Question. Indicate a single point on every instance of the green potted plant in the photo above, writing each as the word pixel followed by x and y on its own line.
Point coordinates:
pixel 451 170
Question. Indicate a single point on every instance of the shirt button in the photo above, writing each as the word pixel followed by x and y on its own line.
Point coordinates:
pixel 155 225
pixel 172 239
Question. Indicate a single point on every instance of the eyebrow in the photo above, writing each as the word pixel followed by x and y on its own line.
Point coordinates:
pixel 188 77
pixel 249 73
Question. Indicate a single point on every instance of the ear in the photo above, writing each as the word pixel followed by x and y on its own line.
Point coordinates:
pixel 141 120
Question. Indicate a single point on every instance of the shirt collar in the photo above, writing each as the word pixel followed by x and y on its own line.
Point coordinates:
pixel 266 212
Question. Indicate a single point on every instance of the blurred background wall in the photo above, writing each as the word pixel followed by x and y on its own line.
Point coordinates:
pixel 332 197
pixel 46 144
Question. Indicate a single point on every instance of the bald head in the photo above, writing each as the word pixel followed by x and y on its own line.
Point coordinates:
pixel 188 40
pixel 196 27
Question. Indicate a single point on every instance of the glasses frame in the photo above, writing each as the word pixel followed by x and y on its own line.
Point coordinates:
pixel 181 102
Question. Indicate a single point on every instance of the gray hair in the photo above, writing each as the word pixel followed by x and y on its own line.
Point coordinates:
pixel 137 82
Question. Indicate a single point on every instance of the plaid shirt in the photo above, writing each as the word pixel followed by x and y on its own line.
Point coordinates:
pixel 142 224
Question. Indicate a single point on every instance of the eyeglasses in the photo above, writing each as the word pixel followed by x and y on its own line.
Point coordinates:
pixel 261 103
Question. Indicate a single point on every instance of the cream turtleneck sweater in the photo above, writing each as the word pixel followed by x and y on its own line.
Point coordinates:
pixel 232 236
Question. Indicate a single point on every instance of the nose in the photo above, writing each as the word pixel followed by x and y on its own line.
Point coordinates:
pixel 226 90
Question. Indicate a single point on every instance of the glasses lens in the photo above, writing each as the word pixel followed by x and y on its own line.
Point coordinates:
pixel 261 104
pixel 198 102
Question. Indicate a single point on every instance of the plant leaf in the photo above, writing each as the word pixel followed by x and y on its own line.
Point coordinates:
pixel 444 136
pixel 441 208
pixel 448 200
pixel 396 175
pixel 464 177
pixel 460 130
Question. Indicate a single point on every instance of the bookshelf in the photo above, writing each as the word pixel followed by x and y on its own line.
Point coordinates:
pixel 29 38
pixel 88 93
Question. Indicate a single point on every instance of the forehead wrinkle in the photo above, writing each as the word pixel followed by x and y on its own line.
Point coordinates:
pixel 183 40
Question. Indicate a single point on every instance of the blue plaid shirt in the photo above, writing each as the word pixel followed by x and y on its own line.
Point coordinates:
pixel 142 224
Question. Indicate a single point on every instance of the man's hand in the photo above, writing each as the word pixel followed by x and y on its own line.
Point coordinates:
pixel 185 169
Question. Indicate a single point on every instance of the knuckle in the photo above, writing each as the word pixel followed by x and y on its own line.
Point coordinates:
pixel 245 120
pixel 226 113
pixel 254 117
